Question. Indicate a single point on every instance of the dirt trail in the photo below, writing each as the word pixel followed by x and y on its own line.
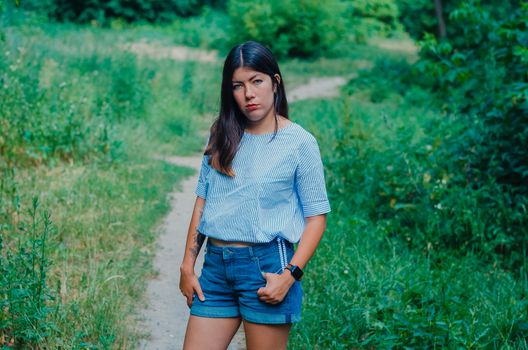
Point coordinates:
pixel 320 87
pixel 166 315
pixel 177 53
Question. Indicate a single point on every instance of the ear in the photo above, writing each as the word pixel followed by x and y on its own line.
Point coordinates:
pixel 276 82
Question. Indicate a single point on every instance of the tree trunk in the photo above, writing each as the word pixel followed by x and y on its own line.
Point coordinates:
pixel 440 19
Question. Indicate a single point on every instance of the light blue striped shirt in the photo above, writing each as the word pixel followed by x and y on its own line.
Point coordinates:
pixel 277 184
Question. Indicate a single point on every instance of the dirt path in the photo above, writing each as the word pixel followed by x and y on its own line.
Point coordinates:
pixel 177 53
pixel 321 87
pixel 166 315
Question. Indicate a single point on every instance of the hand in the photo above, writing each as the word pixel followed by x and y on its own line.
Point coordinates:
pixel 277 286
pixel 189 285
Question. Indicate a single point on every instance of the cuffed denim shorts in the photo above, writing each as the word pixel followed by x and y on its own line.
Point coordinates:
pixel 231 277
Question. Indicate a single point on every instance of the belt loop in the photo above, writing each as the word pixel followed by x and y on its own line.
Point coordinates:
pixel 251 254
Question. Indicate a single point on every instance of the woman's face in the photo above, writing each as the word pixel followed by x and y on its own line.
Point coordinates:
pixel 253 92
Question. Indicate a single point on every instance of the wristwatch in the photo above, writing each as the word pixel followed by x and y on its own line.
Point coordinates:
pixel 296 271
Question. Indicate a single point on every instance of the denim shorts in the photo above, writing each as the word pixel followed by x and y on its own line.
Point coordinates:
pixel 231 277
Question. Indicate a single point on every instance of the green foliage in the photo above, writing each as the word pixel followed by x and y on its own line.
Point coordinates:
pixel 294 28
pixel 378 295
pixel 128 10
pixel 26 300
pixel 426 190
pixel 482 76
pixel 106 217
pixel 418 17
pixel 395 268
pixel 56 108
pixel 80 118
pixel 290 28
pixel 72 284
pixel 372 18
pixel 462 186
pixel 209 30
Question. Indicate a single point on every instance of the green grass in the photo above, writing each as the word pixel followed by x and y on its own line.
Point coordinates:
pixel 104 243
pixel 362 291
pixel 81 124
pixel 370 286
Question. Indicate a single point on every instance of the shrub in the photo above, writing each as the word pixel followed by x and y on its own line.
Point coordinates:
pixel 418 17
pixel 209 30
pixel 426 182
pixel 391 179
pixel 26 301
pixel 462 186
pixel 369 18
pixel 128 10
pixel 481 76
pixel 295 28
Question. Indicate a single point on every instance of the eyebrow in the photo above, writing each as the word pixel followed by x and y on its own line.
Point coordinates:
pixel 238 81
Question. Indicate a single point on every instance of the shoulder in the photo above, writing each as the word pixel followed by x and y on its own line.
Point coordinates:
pixel 302 136
pixel 306 147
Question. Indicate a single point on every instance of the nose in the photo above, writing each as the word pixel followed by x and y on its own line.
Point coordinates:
pixel 249 93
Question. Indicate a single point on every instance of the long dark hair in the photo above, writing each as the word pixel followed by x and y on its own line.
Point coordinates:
pixel 228 128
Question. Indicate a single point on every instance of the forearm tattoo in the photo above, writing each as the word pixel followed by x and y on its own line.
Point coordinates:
pixel 197 243
pixel 198 238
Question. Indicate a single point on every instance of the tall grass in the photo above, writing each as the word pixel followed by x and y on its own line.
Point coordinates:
pixel 26 297
pixel 81 119
pixel 373 283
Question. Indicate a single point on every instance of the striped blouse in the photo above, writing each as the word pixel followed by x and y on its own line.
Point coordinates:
pixel 277 184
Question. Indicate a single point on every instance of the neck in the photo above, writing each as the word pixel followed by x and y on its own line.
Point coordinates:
pixel 264 126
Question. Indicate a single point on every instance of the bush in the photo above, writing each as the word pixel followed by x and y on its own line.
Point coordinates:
pixel 369 18
pixel 462 186
pixel 26 301
pixel 401 263
pixel 481 76
pixel 209 30
pixel 128 10
pixel 426 184
pixel 418 17
pixel 294 28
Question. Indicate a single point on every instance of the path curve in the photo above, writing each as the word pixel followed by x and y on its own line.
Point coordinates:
pixel 166 314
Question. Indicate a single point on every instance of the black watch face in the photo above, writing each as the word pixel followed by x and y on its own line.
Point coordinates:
pixel 296 273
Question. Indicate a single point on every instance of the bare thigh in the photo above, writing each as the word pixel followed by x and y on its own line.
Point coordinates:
pixel 266 336
pixel 210 333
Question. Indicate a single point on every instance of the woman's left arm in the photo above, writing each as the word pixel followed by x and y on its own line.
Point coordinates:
pixel 279 284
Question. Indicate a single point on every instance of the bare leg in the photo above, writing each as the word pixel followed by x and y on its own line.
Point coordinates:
pixel 266 336
pixel 210 333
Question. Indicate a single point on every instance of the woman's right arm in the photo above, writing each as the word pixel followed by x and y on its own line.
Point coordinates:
pixel 188 281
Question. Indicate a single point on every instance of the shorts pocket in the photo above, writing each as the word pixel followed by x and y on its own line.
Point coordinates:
pixel 270 263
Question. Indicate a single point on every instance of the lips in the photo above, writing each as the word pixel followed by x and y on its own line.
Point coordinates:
pixel 251 107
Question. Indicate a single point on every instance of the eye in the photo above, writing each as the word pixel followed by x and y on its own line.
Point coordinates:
pixel 257 81
pixel 236 86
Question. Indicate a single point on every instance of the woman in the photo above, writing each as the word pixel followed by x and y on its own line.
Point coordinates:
pixel 261 188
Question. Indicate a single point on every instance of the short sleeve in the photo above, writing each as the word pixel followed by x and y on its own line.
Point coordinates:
pixel 310 181
pixel 201 187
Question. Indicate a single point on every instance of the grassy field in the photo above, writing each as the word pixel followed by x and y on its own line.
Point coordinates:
pixel 365 288
pixel 81 121
pixel 82 195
